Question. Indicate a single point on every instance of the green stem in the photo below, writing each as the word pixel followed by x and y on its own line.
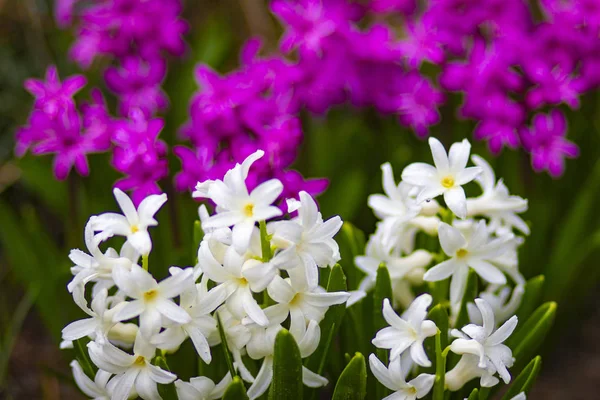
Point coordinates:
pixel 145 262
pixel 265 243
pixel 440 368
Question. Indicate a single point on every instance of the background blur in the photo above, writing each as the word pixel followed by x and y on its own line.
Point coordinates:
pixel 41 218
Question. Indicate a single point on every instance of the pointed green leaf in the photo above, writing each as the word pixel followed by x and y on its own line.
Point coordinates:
pixel 352 384
pixel 287 369
pixel 331 323
pixel 474 395
pixel 526 340
pixel 236 390
pixel 352 243
pixel 531 298
pixel 471 292
pixel 383 290
pixel 225 347
pixel 525 380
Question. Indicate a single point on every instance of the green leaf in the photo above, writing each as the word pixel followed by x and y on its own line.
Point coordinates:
pixel 265 242
pixel 236 390
pixel 331 323
pixel 198 233
pixel 352 243
pixel 474 395
pixel 440 367
pixel 526 340
pixel 168 392
pixel 226 352
pixel 82 356
pixel 525 380
pixel 471 292
pixel 531 298
pixel 439 315
pixel 352 383
pixel 287 369
pixel 383 290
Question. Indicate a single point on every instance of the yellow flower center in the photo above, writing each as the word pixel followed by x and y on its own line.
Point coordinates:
pixel 249 210
pixel 296 299
pixel 140 361
pixel 461 253
pixel 242 281
pixel 134 228
pixel 448 182
pixel 150 295
pixel 412 390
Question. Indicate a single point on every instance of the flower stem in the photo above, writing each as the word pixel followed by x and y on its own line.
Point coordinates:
pixel 145 262
pixel 265 242
pixel 440 368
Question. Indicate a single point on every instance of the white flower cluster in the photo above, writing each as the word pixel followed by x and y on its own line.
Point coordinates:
pixel 482 238
pixel 133 318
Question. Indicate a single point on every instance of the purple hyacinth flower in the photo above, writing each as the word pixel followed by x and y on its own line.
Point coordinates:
pixel 421 44
pixel 498 134
pixel 52 95
pixel 63 12
pixel 546 142
pixel 418 105
pixel 555 87
pixel 389 6
pixel 64 138
pixel 142 180
pixel 294 183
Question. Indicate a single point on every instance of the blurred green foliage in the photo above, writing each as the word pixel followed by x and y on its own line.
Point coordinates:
pixel 41 219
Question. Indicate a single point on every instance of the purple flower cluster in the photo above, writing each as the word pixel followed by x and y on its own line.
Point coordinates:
pixel 135 35
pixel 508 66
pixel 234 115
pixel 56 126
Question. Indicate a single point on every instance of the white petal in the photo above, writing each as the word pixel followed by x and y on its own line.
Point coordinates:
pixel 201 344
pixel 86 385
pixel 126 206
pixel 456 201
pixel 267 192
pixel 159 375
pixel 488 271
pixel 309 212
pixel 172 311
pixel 417 311
pixel 280 290
pixel 146 387
pixel 487 313
pixel 458 284
pixel 325 299
pixel 253 309
pixel 263 379
pixel 503 332
pixel 381 373
pixel 241 234
pixel 440 158
pixel 175 285
pixel 141 241
pixel 125 384
pixel 467 175
pixel 78 329
pixel 459 155
pixel 451 239
pixel 423 383
pixel 129 310
pixel 442 271
pixel 417 353
pixel 419 174
pixel 149 207
pixel 312 379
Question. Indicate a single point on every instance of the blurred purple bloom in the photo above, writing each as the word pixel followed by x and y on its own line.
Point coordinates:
pixel 52 95
pixel 546 142
pixel 418 105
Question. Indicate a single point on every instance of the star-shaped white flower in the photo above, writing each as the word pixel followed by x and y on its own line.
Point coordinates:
pixel 132 372
pixel 407 332
pixel 495 202
pixel 201 388
pixel 403 270
pixel 394 379
pixel 476 252
pixel 304 304
pixel 151 300
pixel 96 389
pixel 504 301
pixel 133 224
pixel 447 177
pixel 198 303
pixel 307 241
pixel 236 206
pixel 486 343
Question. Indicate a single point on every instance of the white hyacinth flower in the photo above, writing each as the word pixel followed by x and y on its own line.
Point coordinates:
pixel 395 380
pixel 447 177
pixel 262 346
pixel 97 266
pixel 151 300
pixel 404 271
pixel 99 323
pixel 495 202
pixel 476 253
pixel 485 342
pixel 97 389
pixel 132 372
pixel 226 269
pixel 236 206
pixel 307 241
pixel 201 388
pixel 198 303
pixel 397 205
pixel 504 302
pixel 408 331
pixel 303 305
pixel 133 223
